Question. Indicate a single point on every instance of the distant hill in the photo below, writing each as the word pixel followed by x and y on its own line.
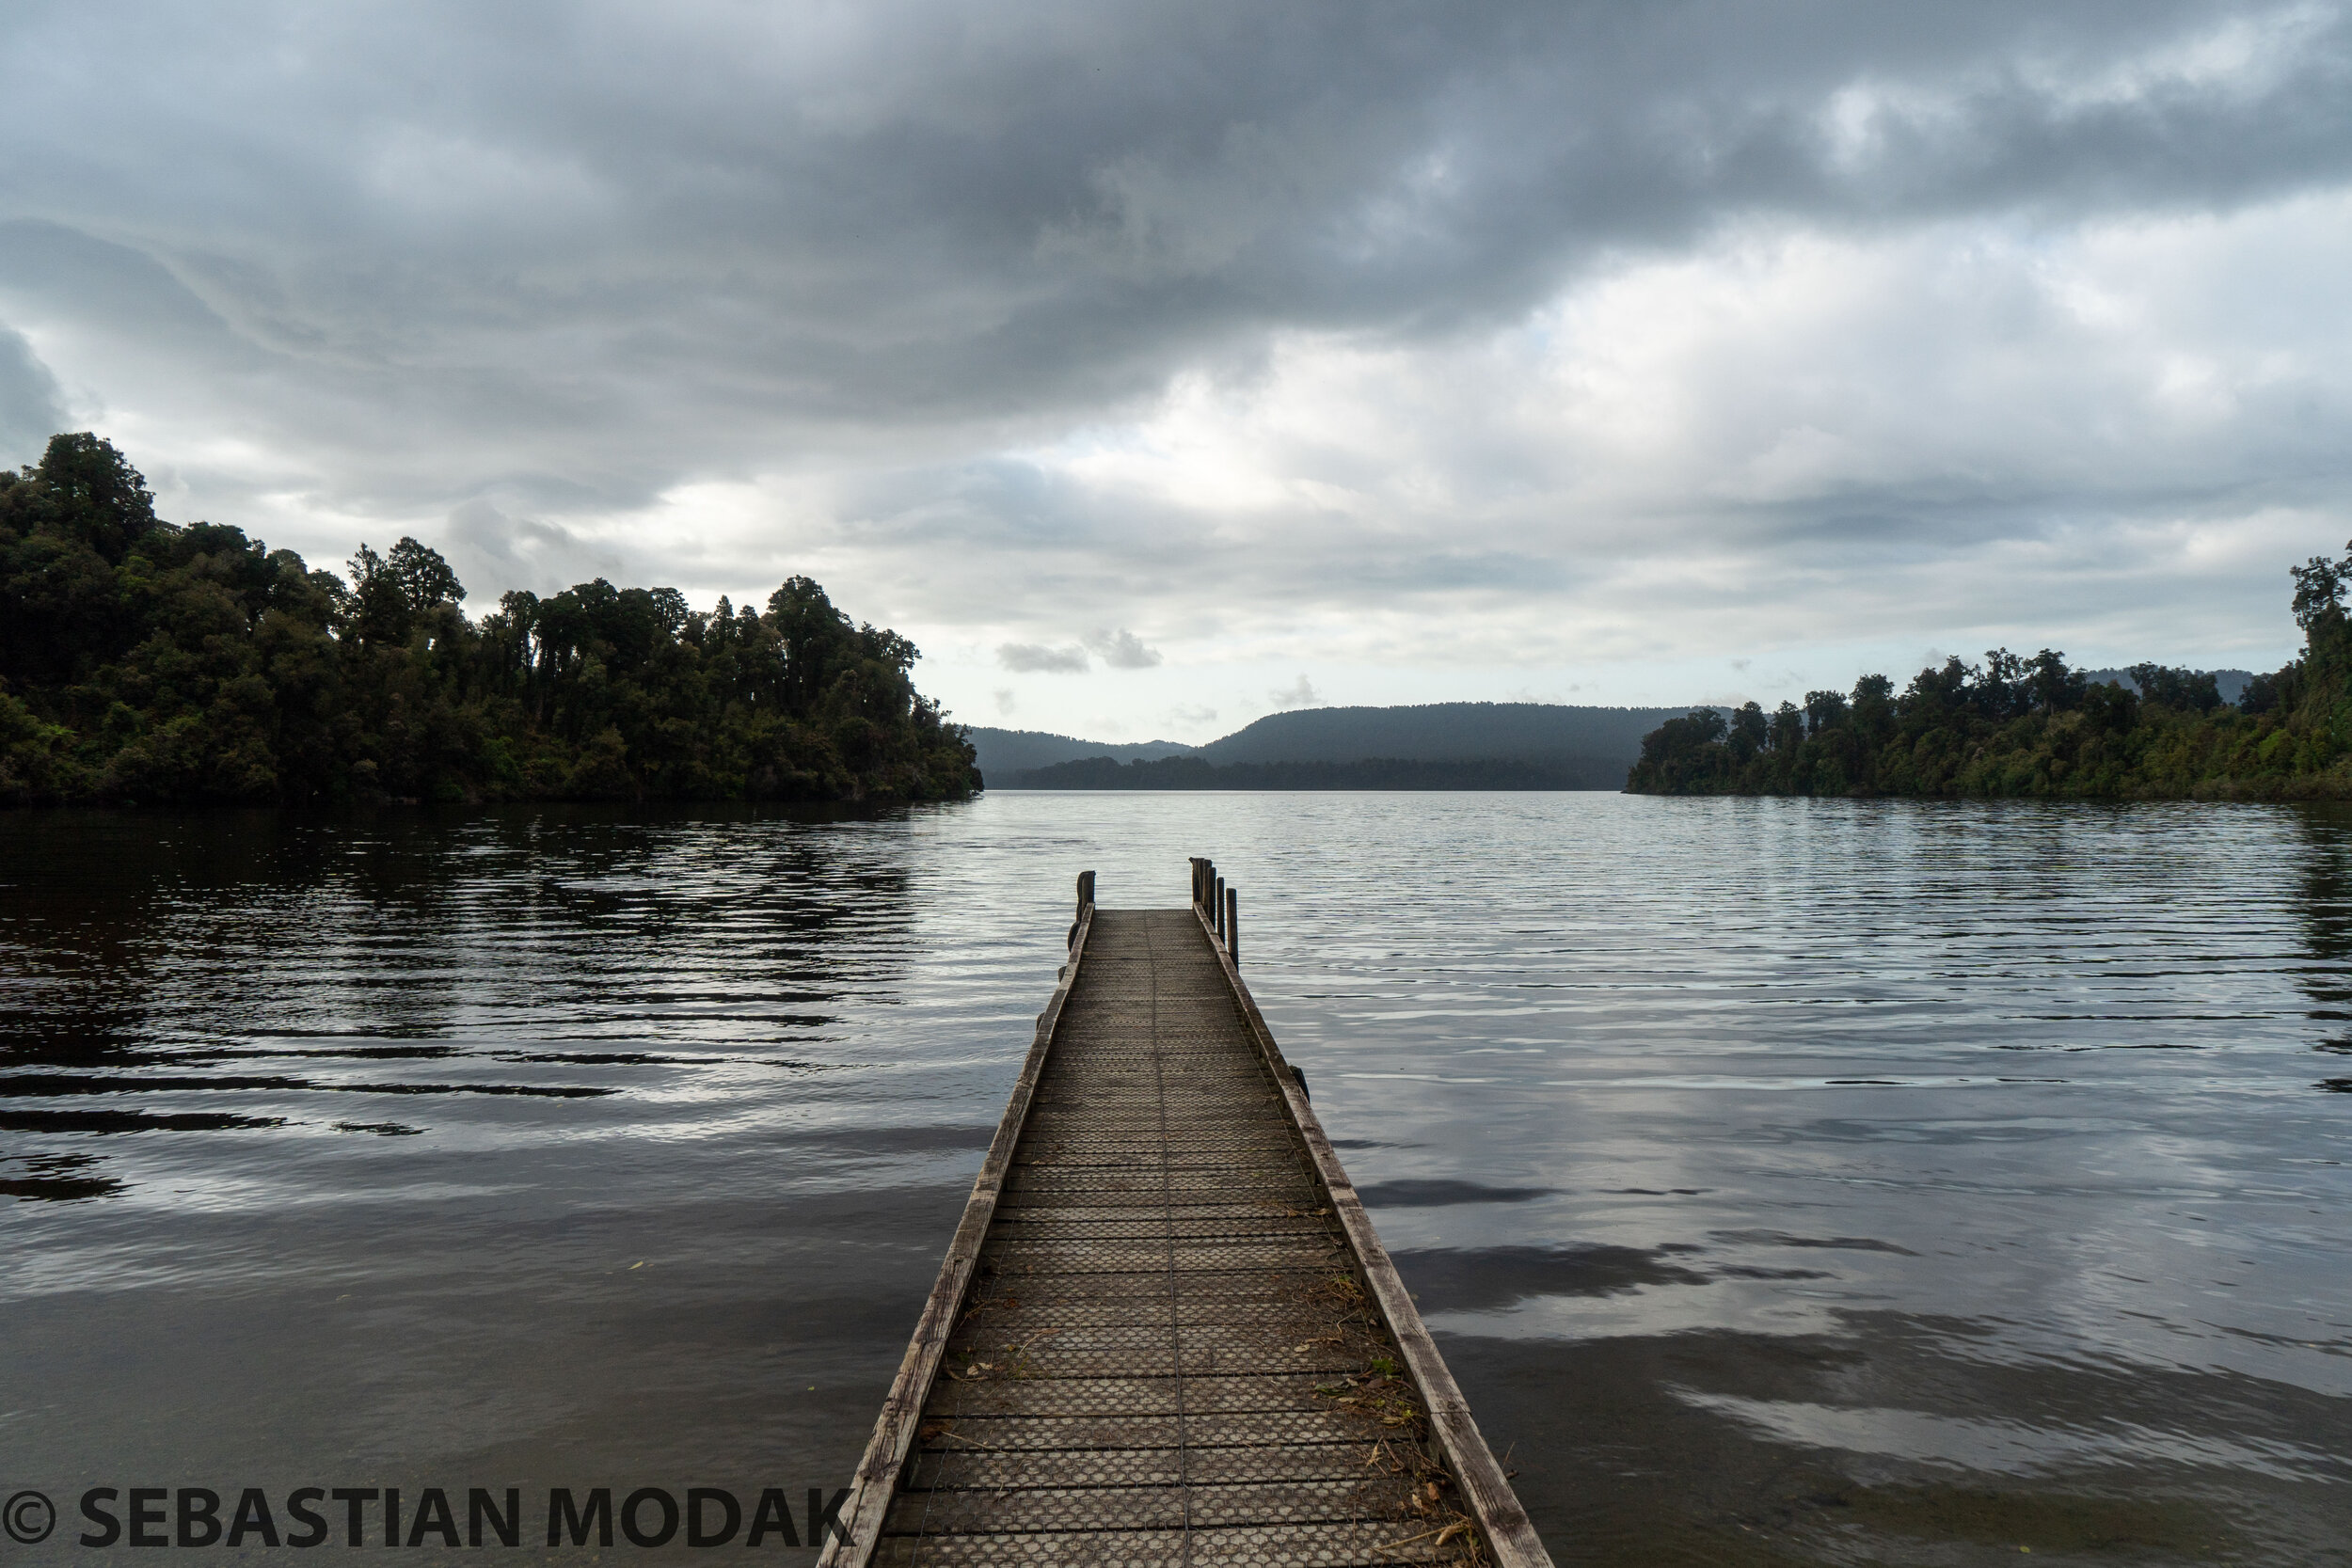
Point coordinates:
pixel 1385 774
pixel 1443 732
pixel 1431 746
pixel 2230 683
pixel 1008 751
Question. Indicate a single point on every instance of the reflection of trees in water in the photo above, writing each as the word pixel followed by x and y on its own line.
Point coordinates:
pixel 76 934
pixel 411 925
pixel 64 1020
pixel 132 932
pixel 658 921
pixel 189 943
pixel 2324 873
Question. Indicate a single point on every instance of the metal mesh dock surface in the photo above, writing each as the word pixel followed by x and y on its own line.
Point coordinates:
pixel 1167 1351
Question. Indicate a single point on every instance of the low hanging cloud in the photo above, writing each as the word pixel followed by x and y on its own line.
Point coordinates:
pixel 1122 649
pixel 1299 693
pixel 1029 659
pixel 522 552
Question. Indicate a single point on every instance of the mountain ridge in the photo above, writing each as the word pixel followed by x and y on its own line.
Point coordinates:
pixel 1421 733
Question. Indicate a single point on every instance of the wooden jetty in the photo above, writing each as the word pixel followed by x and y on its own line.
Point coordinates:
pixel 1165 1331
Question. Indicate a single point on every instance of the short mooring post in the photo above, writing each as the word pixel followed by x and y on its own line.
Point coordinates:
pixel 1086 891
pixel 1233 925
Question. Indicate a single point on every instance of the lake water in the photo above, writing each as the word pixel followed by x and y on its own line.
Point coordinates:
pixel 1787 1181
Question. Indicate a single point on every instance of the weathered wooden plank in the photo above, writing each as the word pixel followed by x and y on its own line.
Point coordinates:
pixel 1132 1396
pixel 1280 1316
pixel 1289 1501
pixel 1164 1466
pixel 1256 1429
pixel 1183 1187
pixel 1016 1226
pixel 1345 1545
pixel 1199 1353
pixel 1022 1207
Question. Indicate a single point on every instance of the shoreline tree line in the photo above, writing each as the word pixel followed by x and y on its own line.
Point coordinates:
pixel 144 662
pixel 2034 727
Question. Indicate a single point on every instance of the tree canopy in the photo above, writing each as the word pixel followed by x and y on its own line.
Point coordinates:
pixel 2017 726
pixel 146 661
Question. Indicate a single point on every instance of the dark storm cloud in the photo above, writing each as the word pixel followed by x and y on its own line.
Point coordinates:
pixel 579 252
pixel 29 409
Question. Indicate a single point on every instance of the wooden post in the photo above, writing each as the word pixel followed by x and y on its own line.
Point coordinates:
pixel 1217 907
pixel 1233 925
pixel 1086 890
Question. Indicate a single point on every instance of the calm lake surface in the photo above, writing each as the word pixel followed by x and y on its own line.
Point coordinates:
pixel 1787 1181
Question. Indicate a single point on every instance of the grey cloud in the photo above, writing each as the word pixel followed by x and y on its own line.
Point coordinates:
pixel 1040 536
pixel 1300 694
pixel 487 546
pixel 123 285
pixel 1122 649
pixel 31 409
pixel 607 248
pixel 1002 501
pixel 1034 657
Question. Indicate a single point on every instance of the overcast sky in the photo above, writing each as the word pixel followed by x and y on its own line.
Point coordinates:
pixel 1157 367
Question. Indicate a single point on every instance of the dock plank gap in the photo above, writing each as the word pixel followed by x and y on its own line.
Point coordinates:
pixel 1165 1332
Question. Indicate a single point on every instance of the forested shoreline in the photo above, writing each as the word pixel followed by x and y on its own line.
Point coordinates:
pixel 144 662
pixel 2034 727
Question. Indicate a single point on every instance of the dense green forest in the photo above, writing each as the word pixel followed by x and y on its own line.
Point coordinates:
pixel 1195 772
pixel 2017 726
pixel 144 661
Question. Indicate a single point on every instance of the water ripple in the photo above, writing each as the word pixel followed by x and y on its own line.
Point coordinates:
pixel 1789 1179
